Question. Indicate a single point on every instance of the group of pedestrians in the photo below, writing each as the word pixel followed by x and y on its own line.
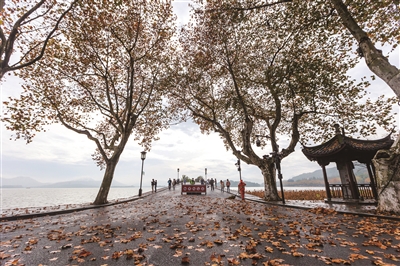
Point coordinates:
pixel 153 185
pixel 222 184
pixel 172 183
pixel 213 183
pixel 227 184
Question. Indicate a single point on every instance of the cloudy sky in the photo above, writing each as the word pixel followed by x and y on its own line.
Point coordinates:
pixel 60 155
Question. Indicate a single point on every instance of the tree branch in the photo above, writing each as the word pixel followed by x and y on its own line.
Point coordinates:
pixel 374 58
pixel 9 47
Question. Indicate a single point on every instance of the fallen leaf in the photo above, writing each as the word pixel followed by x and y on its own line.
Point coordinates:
pixel 218 241
pixel 129 254
pixel 84 253
pixel 269 249
pixel 116 255
pixel 4 256
pixel 233 261
pixel 185 260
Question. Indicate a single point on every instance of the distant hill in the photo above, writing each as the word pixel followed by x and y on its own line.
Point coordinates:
pixel 316 174
pixel 248 183
pixel 21 181
pixel 316 178
pixel 24 182
pixel 331 172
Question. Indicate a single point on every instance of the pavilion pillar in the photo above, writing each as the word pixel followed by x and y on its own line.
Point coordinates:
pixel 373 181
pixel 346 180
pixel 327 188
pixel 353 182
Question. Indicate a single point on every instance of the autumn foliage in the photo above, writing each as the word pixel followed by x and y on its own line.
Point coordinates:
pixel 101 78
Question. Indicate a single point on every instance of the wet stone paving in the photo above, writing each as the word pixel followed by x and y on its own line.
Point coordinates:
pixel 168 228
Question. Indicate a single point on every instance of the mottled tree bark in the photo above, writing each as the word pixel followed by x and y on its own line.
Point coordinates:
pixel 387 167
pixel 102 195
pixel 268 172
pixel 386 162
pixel 374 58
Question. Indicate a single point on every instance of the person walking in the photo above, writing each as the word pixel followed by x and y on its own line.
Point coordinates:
pixel 169 184
pixel 222 185
pixel 173 184
pixel 152 185
pixel 228 186
pixel 155 185
pixel 212 184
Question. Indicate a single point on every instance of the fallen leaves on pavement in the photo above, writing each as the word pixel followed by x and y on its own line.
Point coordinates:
pixel 171 229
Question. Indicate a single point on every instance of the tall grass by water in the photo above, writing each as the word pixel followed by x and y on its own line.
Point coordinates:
pixel 295 194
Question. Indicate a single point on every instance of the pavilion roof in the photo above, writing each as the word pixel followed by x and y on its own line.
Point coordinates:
pixel 341 147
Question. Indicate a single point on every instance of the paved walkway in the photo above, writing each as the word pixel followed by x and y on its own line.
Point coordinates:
pixel 357 209
pixel 167 228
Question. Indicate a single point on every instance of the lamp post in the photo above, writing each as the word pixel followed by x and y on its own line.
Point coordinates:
pixel 143 157
pixel 277 160
pixel 239 169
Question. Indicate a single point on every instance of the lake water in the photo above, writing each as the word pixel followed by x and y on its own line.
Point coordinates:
pixel 41 197
pixel 12 198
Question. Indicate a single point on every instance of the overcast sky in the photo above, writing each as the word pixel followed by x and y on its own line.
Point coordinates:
pixel 60 154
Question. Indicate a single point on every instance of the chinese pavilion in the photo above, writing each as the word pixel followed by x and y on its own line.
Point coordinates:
pixel 343 151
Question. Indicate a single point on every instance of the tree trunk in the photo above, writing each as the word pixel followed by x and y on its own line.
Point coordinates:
pixel 102 195
pixel 387 167
pixel 386 162
pixel 268 171
pixel 374 58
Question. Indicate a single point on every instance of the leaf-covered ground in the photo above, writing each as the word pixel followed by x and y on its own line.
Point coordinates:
pixel 172 229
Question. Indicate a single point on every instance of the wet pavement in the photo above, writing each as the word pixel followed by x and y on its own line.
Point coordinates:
pixel 167 228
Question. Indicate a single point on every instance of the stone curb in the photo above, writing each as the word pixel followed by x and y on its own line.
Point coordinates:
pixel 362 214
pixel 65 211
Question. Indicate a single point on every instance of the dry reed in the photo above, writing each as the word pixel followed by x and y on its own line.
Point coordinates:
pixel 295 194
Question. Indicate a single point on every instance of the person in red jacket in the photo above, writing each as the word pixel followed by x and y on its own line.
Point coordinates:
pixel 241 187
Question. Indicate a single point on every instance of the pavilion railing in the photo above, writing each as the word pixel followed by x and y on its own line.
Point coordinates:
pixel 340 191
pixel 365 191
pixel 344 191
